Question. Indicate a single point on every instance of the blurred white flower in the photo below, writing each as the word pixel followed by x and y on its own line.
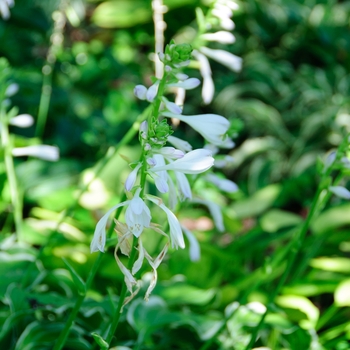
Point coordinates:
pixel 195 251
pixel 46 152
pixel 340 191
pixel 5 6
pixel 12 89
pixel 222 37
pixel 22 121
pixel 208 87
pixel 223 184
pixel 227 59
pixel 215 212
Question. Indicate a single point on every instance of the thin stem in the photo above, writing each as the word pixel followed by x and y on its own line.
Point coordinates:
pixel 159 26
pixel 46 91
pixel 64 334
pixel 122 296
pixel 299 238
pixel 98 169
pixel 11 174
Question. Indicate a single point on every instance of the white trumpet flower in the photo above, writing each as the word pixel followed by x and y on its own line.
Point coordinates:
pixel 180 144
pixel 45 152
pixel 137 215
pixel 22 121
pixel 99 240
pixel 212 127
pixel 176 235
pixel 187 84
pixel 340 191
pixel 227 59
pixel 194 162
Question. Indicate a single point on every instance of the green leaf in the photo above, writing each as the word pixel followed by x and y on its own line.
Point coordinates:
pixel 302 304
pixel 276 219
pixel 100 341
pixel 80 284
pixel 122 14
pixel 257 203
pixel 332 264
pixel 331 219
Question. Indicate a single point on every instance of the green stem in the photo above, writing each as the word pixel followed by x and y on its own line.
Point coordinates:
pixel 11 174
pixel 122 296
pixel 100 166
pixel 299 238
pixel 45 98
pixel 64 334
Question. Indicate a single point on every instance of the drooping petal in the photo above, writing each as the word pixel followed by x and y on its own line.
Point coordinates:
pixel 99 240
pixel 176 236
pixel 138 263
pixel 223 184
pixel 227 59
pixel 183 185
pixel 222 37
pixel 195 251
pixel 194 162
pixel 130 181
pixel 215 212
pixel 22 121
pixel 212 127
pixel 161 178
pixel 152 91
pixel 46 152
pixel 187 84
pixel 180 144
pixel 340 191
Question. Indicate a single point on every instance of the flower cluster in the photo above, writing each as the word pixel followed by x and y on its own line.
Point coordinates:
pixel 219 16
pixel 166 161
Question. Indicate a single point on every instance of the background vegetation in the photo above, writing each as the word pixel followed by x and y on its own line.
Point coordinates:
pixel 291 105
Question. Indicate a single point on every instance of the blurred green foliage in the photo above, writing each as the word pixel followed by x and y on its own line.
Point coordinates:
pixel 293 99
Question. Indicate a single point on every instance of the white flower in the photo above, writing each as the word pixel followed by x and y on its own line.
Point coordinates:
pixel 45 152
pixel 170 152
pixel 152 91
pixel 227 59
pixel 180 144
pixel 193 162
pixel 137 215
pixel 99 240
pixel 22 120
pixel 12 89
pixel 195 251
pixel 212 127
pixel 171 106
pixel 5 6
pixel 140 92
pixel 176 236
pixel 340 191
pixel 161 178
pixel 222 37
pixel 188 84
pixel 130 181
pixel 215 212
pixel 223 184
pixel 183 185
pixel 205 70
